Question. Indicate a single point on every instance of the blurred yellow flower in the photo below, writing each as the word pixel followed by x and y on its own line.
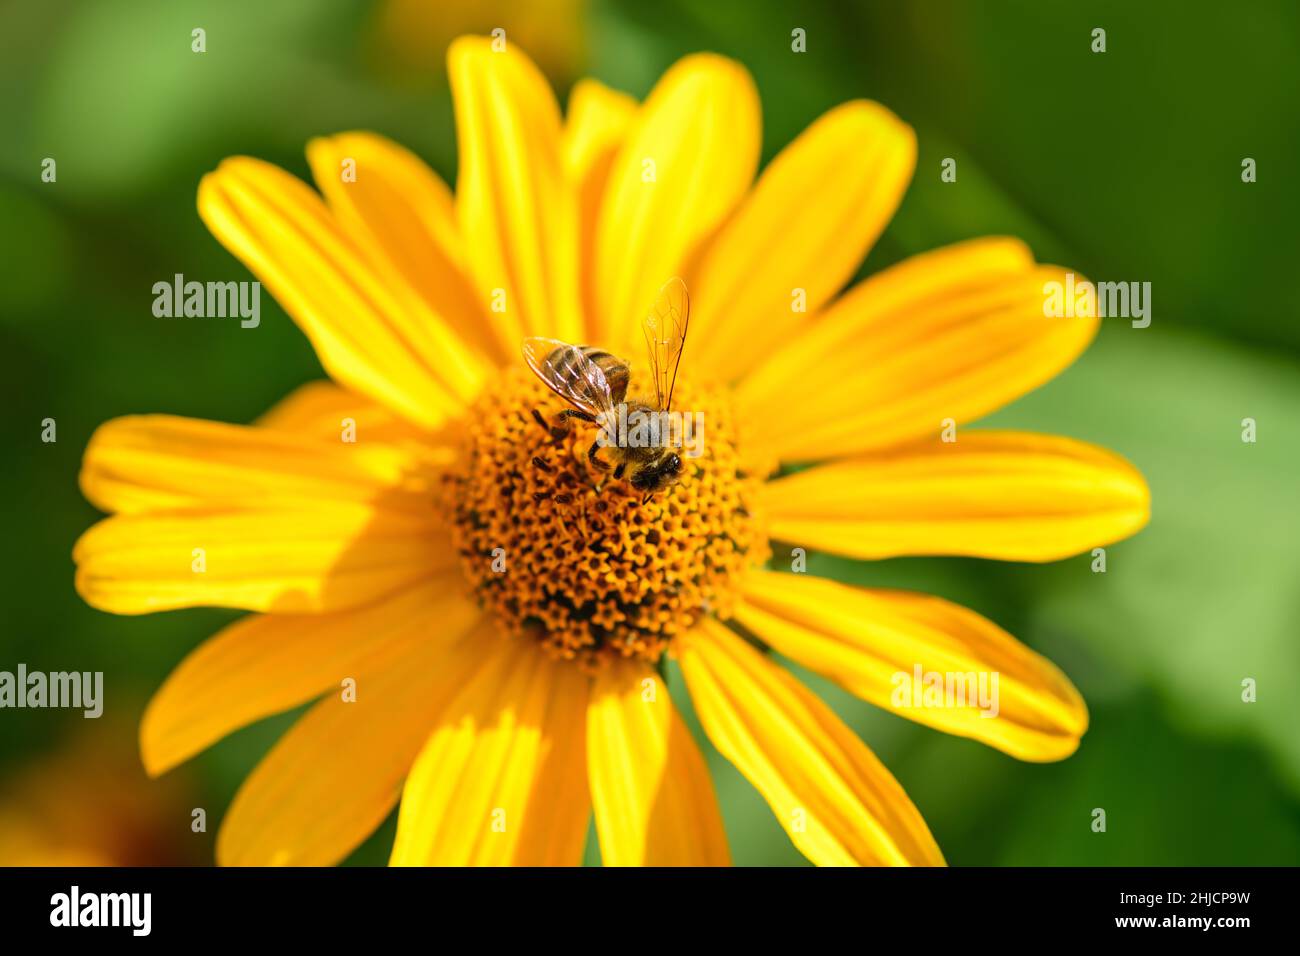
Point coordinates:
pixel 499 622
pixel 87 803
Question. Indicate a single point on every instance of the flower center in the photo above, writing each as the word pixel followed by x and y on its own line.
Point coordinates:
pixel 565 553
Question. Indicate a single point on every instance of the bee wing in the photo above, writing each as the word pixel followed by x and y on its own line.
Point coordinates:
pixel 568 372
pixel 665 333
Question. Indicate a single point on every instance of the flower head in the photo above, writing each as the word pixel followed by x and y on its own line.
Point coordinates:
pixel 479 610
pixel 587 567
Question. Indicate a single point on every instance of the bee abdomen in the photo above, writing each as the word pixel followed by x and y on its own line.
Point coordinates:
pixel 616 371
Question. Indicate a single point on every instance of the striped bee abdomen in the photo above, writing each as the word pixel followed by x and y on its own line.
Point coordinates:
pixel 617 374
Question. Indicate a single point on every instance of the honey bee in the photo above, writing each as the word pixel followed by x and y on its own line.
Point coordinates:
pixel 595 382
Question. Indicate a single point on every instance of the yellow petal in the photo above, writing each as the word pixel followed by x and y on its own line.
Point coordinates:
pixel 401 215
pixel 837 802
pixel 685 163
pixel 502 778
pixel 318 408
pixel 594 128
pixel 517 212
pixel 282 559
pixel 650 788
pixel 334 777
pixel 371 335
pixel 872 642
pixel 265 664
pixel 807 225
pixel 151 462
pixel 1012 496
pixel 322 409
pixel 952 334
pixel 597 119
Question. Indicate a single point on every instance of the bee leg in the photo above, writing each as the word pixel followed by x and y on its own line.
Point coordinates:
pixel 591 457
pixel 562 428
pixel 557 433
pixel 618 472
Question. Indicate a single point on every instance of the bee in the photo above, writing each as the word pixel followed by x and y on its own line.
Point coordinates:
pixel 595 382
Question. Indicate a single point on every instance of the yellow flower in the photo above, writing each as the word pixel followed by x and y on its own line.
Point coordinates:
pixel 499 621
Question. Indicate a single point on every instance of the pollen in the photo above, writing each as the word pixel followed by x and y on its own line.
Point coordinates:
pixel 564 553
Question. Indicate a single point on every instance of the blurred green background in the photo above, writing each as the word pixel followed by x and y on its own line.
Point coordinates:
pixel 1124 165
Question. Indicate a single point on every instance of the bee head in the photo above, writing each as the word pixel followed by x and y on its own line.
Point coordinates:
pixel 659 474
